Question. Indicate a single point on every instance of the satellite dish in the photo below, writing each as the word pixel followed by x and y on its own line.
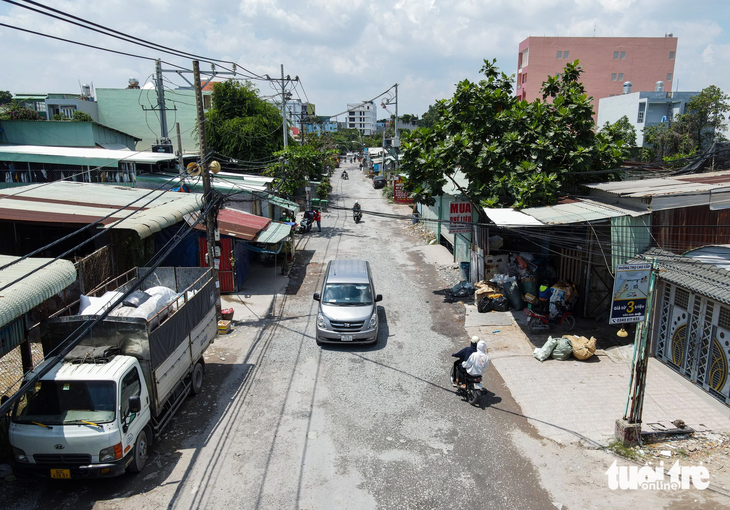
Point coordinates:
pixel 193 169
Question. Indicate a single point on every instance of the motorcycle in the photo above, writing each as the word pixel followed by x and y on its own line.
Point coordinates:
pixel 304 226
pixel 473 390
pixel 345 176
pixel 542 322
pixel 357 216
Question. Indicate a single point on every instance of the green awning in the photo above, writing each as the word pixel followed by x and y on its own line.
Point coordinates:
pixel 281 202
pixel 274 233
pixel 38 284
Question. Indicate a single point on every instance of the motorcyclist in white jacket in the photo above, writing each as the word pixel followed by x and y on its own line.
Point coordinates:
pixel 478 362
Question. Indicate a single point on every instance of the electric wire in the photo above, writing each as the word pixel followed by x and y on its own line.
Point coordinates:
pixel 88 326
pixel 86 227
pixel 89 25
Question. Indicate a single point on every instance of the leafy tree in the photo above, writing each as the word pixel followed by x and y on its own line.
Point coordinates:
pixel 692 132
pixel 513 153
pixel 16 111
pixel 241 125
pixel 622 129
pixel 59 116
pixel 429 119
pixel 297 163
pixel 706 116
pixel 80 116
pixel 5 97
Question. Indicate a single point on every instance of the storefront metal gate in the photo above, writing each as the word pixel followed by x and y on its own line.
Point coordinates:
pixel 693 338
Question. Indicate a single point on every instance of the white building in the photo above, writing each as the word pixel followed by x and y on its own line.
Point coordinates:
pixel 363 117
pixel 643 109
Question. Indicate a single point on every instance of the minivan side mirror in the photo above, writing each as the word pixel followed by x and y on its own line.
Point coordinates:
pixel 316 296
pixel 135 405
pixel 378 297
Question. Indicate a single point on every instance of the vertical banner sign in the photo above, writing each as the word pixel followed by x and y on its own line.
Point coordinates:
pixel 630 290
pixel 459 217
pixel 399 194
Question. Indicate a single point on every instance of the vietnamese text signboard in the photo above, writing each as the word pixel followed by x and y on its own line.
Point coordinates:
pixel 630 291
pixel 400 195
pixel 459 217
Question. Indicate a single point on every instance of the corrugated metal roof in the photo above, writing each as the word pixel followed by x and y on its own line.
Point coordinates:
pixel 281 202
pixel 225 184
pixel 688 184
pixel 239 224
pixel 78 155
pixel 716 254
pixel 576 211
pixel 39 285
pixel 274 233
pixel 82 202
pixel 706 279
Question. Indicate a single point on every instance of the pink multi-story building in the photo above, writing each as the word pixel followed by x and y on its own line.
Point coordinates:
pixel 607 63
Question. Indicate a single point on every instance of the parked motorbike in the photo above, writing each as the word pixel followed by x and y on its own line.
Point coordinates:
pixel 345 176
pixel 357 216
pixel 542 322
pixel 304 226
pixel 473 390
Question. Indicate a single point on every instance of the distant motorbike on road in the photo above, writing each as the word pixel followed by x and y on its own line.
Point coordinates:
pixel 542 322
pixel 345 176
pixel 473 390
pixel 357 216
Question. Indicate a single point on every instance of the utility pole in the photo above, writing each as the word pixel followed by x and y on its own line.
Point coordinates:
pixel 283 105
pixel 161 103
pixel 396 141
pixel 628 429
pixel 207 191
pixel 181 164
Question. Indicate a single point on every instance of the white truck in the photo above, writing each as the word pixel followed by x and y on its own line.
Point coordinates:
pixel 96 413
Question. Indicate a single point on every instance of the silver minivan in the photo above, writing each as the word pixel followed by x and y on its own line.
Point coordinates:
pixel 347 304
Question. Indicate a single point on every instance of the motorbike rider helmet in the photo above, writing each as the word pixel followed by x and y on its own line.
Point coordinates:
pixel 357 203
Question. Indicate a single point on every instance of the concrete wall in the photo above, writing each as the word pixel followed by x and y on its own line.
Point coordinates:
pixel 657 106
pixel 122 109
pixel 646 61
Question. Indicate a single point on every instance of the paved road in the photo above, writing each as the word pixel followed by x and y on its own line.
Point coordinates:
pixel 292 425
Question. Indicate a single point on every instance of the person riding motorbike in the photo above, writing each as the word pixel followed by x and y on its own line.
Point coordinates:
pixel 461 357
pixel 344 174
pixel 356 207
pixel 478 362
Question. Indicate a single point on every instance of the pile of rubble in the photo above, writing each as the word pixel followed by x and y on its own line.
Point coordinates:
pixel 449 274
pixel 421 231
pixel 712 449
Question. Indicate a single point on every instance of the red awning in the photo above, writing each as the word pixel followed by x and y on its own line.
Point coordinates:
pixel 238 224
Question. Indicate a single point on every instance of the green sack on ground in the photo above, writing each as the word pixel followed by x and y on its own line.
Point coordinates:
pixel 544 352
pixel 563 350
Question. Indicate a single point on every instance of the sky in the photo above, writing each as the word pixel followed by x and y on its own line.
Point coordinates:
pixel 345 51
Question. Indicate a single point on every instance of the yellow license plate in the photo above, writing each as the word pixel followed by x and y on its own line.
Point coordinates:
pixel 60 473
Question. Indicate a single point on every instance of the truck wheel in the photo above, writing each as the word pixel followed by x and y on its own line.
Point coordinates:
pixel 196 378
pixel 139 458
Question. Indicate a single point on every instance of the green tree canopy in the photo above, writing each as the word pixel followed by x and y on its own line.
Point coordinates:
pixel 701 125
pixel 513 153
pixel 297 163
pixel 429 119
pixel 241 125
pixel 80 116
pixel 5 97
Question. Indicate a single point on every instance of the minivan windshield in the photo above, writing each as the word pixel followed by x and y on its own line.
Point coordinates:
pixel 67 402
pixel 347 294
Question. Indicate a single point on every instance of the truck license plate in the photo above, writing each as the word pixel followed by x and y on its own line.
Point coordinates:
pixel 61 473
pixel 346 338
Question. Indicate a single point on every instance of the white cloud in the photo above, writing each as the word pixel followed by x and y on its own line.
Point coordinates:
pixel 350 50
